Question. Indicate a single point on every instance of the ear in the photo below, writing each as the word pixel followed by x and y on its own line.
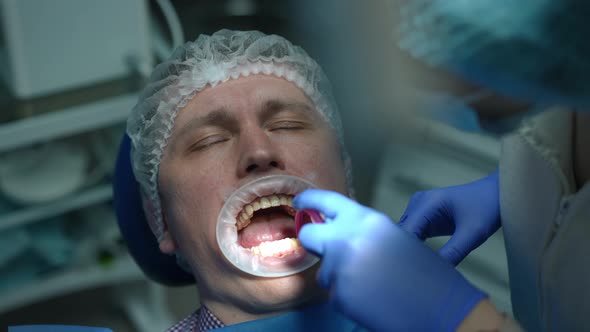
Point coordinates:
pixel 167 244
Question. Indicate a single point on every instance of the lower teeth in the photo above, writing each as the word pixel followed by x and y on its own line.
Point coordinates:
pixel 277 248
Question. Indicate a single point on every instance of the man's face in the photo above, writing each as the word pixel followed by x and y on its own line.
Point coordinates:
pixel 225 137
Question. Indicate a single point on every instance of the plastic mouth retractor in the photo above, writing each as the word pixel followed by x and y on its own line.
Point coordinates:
pixel 227 233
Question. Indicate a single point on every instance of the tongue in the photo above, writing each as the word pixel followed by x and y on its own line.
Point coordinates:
pixel 266 226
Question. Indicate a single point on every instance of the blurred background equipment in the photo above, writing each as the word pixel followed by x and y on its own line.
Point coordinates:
pixel 63 172
pixel 51 46
pixel 70 72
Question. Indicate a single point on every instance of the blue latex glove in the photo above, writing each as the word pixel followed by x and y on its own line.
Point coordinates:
pixel 469 212
pixel 380 275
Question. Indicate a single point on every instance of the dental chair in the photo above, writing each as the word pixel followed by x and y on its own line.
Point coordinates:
pixel 140 240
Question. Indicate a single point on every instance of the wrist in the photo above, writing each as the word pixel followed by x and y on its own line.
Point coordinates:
pixel 461 299
pixel 483 317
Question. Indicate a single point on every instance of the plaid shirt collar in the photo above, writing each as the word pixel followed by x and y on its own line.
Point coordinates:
pixel 201 320
pixel 207 320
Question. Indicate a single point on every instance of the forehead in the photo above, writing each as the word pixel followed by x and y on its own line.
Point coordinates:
pixel 243 91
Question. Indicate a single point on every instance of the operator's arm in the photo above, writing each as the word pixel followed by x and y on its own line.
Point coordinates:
pixel 485 317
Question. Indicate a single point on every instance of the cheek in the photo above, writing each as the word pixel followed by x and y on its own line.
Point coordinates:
pixel 197 182
pixel 331 171
pixel 319 160
pixel 191 200
pixel 193 222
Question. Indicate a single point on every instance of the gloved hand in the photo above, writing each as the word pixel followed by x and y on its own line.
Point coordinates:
pixel 380 275
pixel 469 212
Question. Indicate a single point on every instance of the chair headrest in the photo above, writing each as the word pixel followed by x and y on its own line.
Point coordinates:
pixel 140 240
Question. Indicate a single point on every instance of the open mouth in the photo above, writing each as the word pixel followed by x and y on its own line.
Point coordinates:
pixel 256 231
pixel 266 226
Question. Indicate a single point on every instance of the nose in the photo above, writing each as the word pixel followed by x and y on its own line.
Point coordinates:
pixel 258 154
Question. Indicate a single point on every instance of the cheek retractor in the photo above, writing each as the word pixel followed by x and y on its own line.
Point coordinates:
pixel 250 260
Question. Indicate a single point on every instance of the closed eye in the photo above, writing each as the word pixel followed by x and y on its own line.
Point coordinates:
pixel 208 142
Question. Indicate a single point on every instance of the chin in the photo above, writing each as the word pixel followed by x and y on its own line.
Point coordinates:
pixel 294 290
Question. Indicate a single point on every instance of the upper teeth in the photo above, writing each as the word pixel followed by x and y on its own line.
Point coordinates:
pixel 260 203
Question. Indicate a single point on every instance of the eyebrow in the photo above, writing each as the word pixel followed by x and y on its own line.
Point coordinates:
pixel 274 106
